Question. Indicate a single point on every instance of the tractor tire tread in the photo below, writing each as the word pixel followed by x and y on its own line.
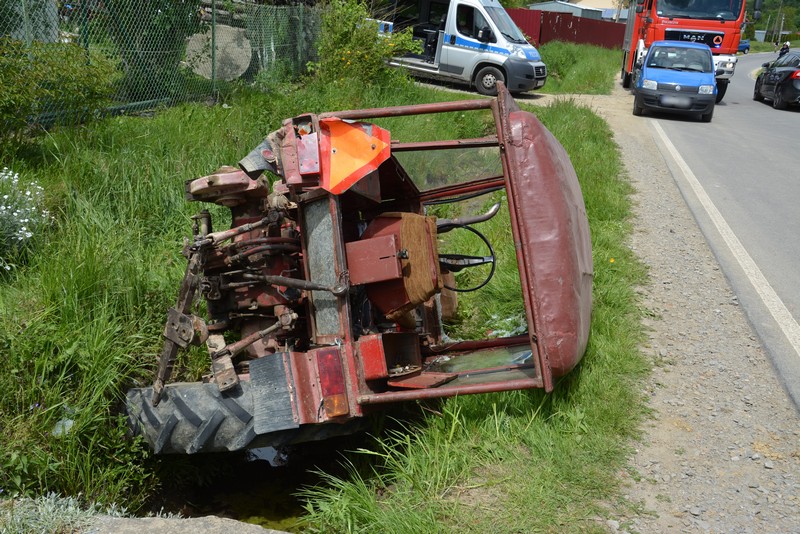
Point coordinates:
pixel 192 418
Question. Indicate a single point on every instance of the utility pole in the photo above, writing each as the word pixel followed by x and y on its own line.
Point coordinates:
pixel 774 38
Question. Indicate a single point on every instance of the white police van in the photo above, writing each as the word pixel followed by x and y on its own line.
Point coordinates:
pixel 471 41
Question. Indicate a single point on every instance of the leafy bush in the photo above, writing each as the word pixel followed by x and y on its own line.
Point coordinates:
pixel 22 215
pixel 350 48
pixel 48 77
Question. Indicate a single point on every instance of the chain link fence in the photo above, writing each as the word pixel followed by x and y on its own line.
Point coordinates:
pixel 140 53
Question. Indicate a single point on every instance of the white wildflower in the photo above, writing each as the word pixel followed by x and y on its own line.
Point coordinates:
pixel 21 215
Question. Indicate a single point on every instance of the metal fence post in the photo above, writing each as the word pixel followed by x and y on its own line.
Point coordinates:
pixel 214 48
pixel 26 24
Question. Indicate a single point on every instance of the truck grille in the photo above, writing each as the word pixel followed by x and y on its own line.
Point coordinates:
pixel 695 36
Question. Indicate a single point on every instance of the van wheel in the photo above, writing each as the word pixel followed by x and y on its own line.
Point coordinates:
pixel 486 80
pixel 637 109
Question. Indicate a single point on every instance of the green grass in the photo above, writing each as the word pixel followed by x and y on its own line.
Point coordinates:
pixel 756 46
pixel 81 322
pixel 579 68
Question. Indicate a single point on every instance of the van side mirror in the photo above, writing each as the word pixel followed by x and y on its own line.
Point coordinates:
pixel 485 35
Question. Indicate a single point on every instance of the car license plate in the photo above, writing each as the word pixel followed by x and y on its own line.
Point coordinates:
pixel 676 101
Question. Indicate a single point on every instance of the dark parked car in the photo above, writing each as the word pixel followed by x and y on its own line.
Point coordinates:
pixel 676 77
pixel 779 81
pixel 744 46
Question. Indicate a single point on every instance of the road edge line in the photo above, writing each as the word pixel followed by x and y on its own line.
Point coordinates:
pixel 780 313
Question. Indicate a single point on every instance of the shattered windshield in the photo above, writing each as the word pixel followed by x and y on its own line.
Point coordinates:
pixel 699 9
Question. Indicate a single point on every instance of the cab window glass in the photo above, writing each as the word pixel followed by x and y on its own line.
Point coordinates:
pixel 469 21
pixel 437 14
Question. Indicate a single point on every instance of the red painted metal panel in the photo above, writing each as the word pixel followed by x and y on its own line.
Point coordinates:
pixel 545 26
pixel 552 233
pixel 373 358
pixel 422 380
pixel 529 21
pixel 307 394
pixel 373 260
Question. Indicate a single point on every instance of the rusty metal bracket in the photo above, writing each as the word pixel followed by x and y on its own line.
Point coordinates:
pixel 178 332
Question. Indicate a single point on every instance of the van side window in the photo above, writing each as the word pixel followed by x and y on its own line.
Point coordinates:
pixel 469 21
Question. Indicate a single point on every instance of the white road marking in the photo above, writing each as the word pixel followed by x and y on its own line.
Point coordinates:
pixel 771 300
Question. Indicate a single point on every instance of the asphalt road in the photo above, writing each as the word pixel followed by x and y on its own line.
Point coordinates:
pixel 741 178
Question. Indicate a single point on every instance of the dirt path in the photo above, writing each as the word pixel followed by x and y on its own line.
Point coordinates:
pixel 722 453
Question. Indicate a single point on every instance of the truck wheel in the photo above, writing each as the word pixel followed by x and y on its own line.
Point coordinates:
pixel 193 417
pixel 722 88
pixel 626 79
pixel 486 80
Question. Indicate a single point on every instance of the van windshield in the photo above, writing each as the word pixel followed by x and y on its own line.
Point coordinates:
pixel 506 26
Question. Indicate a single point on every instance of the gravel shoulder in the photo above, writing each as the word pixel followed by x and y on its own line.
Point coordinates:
pixel 722 451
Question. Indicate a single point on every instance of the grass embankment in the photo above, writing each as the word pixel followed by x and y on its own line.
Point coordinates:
pixel 757 46
pixel 579 68
pixel 81 320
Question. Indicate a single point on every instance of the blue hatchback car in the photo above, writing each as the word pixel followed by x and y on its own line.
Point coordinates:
pixel 676 77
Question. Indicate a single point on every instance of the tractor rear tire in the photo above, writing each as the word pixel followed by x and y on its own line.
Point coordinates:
pixel 193 417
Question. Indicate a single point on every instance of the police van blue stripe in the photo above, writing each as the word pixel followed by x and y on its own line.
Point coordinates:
pixel 530 52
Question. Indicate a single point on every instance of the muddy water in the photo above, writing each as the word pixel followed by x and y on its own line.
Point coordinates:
pixel 260 487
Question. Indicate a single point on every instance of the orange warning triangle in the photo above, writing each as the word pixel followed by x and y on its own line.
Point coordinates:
pixel 350 151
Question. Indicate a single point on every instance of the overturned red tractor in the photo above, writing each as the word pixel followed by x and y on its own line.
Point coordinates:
pixel 324 301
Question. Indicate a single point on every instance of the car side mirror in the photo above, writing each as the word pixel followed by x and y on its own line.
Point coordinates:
pixel 765 64
pixel 484 35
